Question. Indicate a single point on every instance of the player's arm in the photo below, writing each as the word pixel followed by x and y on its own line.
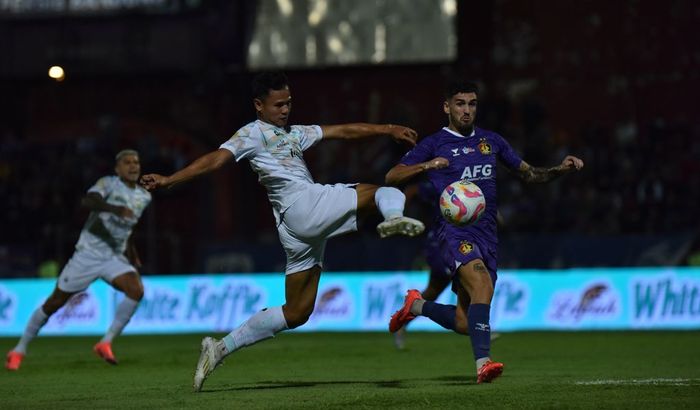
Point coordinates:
pixel 402 173
pixel 535 175
pixel 95 202
pixel 363 130
pixel 202 165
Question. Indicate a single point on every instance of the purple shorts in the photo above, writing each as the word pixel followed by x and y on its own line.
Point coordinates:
pixel 459 251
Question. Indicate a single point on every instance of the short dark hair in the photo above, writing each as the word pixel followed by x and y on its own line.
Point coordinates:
pixel 460 86
pixel 266 81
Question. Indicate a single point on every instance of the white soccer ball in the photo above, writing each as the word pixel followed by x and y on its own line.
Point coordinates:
pixel 462 203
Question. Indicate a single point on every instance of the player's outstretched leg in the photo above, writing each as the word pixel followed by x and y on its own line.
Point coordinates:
pixel 122 316
pixel 390 202
pixel 36 322
pixel 262 325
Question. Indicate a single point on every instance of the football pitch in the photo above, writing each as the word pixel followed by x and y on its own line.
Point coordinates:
pixel 363 370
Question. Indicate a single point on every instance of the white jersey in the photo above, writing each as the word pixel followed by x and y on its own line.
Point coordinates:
pixel 104 232
pixel 276 156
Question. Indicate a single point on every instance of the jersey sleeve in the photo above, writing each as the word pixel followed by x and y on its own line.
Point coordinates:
pixel 103 186
pixel 423 151
pixel 309 135
pixel 507 154
pixel 245 143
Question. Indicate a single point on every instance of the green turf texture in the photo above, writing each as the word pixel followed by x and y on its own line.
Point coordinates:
pixel 364 370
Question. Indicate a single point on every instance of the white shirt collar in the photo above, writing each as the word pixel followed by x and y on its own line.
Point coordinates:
pixel 458 134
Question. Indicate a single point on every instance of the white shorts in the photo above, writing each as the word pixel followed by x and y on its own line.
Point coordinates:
pixel 85 267
pixel 322 212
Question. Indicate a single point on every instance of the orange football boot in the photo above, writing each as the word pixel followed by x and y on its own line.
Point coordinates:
pixel 104 350
pixel 402 316
pixel 13 360
pixel 489 371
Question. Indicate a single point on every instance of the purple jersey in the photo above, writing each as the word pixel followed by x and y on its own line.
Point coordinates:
pixel 472 158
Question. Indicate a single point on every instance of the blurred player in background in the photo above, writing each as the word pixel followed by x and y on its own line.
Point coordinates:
pixel 307 214
pixel 463 151
pixel 439 274
pixel 104 250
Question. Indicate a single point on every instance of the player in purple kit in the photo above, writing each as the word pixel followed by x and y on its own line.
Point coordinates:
pixel 463 151
pixel 439 274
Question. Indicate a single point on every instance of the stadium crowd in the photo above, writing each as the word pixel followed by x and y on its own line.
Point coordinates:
pixel 611 82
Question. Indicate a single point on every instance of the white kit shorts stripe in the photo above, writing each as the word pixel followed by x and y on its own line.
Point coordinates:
pixel 85 267
pixel 321 212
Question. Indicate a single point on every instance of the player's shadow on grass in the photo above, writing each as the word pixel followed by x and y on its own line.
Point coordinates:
pixel 385 384
pixel 393 384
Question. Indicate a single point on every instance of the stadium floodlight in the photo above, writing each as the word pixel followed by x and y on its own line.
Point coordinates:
pixel 57 73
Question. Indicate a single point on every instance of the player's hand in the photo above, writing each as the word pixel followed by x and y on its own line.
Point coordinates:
pixel 436 163
pixel 153 181
pixel 403 134
pixel 571 163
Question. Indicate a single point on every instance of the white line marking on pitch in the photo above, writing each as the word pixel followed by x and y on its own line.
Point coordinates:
pixel 638 382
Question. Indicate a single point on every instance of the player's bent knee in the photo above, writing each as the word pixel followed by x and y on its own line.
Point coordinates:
pixel 136 291
pixel 296 318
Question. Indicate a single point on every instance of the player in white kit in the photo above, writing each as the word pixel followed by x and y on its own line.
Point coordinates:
pixel 104 250
pixel 307 214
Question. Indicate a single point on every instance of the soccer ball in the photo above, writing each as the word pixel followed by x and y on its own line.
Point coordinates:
pixel 462 203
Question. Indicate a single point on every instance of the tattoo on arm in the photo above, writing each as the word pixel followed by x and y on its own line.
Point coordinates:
pixel 536 175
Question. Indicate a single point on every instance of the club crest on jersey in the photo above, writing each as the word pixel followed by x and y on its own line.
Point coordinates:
pixel 484 147
pixel 465 247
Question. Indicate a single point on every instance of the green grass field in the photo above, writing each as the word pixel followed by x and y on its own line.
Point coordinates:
pixel 363 370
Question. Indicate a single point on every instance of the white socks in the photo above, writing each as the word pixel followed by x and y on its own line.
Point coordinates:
pixel 390 202
pixel 262 325
pixel 36 322
pixel 125 310
pixel 480 362
pixel 417 307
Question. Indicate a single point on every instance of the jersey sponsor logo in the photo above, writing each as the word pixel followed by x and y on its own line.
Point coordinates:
pixel 455 152
pixel 477 172
pixel 467 150
pixel 465 247
pixel 484 147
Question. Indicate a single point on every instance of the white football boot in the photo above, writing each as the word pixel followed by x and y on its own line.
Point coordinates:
pixel 209 359
pixel 401 225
